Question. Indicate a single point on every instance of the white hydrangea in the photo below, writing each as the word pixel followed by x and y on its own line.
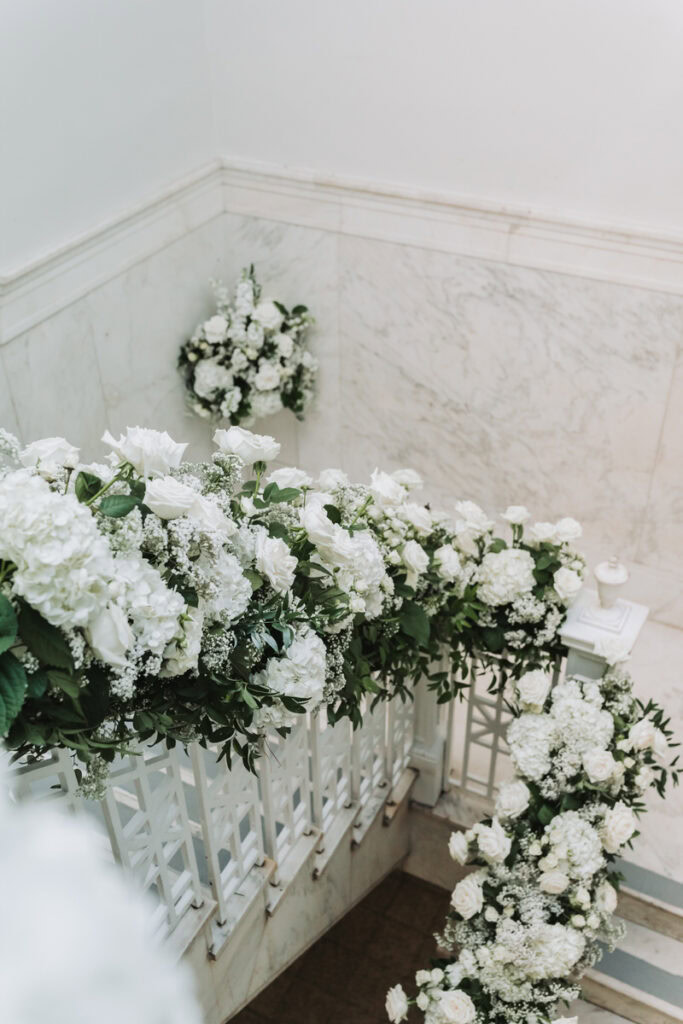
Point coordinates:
pixel 531 739
pixel 152 609
pixel 210 376
pixel 575 846
pixel 300 672
pixel 504 575
pixel 64 565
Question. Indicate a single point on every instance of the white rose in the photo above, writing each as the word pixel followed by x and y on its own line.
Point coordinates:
pixel 642 735
pixel 660 745
pixel 448 562
pixel 285 345
pixel 267 378
pixel 645 778
pixel 582 896
pixel 268 315
pixel 319 527
pixel 418 516
pixel 458 847
pixel 49 455
pixel 567 584
pixel 385 490
pixel 493 842
pixel 468 897
pixel 541 533
pixel 598 764
pixel 513 799
pixel 408 478
pixel 472 519
pixel 216 329
pixel 274 560
pixel 249 447
pixel 567 530
pixel 613 649
pixel 455 1007
pixel 606 898
pixel 110 636
pixel 396 1004
pixel 515 515
pixel 553 882
pixel 618 826
pixel 533 688
pixel 415 560
pixel 150 452
pixel 168 498
pixel 289 476
pixel 208 514
pixel 332 479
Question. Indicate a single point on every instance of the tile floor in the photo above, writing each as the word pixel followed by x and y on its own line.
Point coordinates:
pixel 344 977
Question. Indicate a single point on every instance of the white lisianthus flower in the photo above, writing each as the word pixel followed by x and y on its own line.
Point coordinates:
pixel 418 516
pixel 458 847
pixel 169 498
pixel 541 533
pixel 567 530
pixel 110 636
pixel 455 1006
pixel 567 584
pixel 553 882
pixel 642 735
pixel 504 575
pixel 416 561
pixel 396 1004
pixel 150 452
pixel 448 563
pixel 289 476
pixel 599 765
pixel 276 562
pixel 515 515
pixel 408 478
pixel 532 689
pixel 468 896
pixel 267 377
pixel 618 826
pixel 385 490
pixel 268 315
pixel 513 799
pixel 332 479
pixel 422 1001
pixel 49 456
pixel 493 842
pixel 423 977
pixel 216 329
pixel 606 898
pixel 249 447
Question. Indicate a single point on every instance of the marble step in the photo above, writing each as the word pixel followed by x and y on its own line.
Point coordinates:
pixel 642 980
pixel 649 899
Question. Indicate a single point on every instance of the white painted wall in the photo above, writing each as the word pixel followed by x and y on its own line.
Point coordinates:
pixel 103 103
pixel 568 106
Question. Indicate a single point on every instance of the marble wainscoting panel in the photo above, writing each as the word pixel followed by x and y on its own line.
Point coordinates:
pixel 296 265
pixel 8 415
pixel 52 374
pixel 140 319
pixel 504 384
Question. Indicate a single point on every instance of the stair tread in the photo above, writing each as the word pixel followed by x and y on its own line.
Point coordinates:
pixel 642 975
pixel 651 946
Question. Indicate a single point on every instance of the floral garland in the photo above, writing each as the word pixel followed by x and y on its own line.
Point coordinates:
pixel 249 360
pixel 144 598
pixel 528 921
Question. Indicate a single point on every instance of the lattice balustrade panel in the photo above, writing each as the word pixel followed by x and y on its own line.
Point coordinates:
pixel 50 778
pixel 370 748
pixel 229 809
pixel 400 728
pixel 285 787
pixel 331 768
pixel 149 828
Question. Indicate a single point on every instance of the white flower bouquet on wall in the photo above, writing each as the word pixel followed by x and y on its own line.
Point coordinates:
pixel 250 359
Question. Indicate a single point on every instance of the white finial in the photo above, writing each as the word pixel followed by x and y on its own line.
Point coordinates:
pixel 611 577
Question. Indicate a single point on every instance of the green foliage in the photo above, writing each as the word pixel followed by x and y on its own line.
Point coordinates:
pixel 12 690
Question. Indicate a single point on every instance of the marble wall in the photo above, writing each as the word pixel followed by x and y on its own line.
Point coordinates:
pixel 499 383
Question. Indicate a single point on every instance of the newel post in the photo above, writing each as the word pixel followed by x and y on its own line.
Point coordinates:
pixel 429 744
pixel 600 624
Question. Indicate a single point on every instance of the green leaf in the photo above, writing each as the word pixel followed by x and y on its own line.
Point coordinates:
pixel 333 513
pixel 414 622
pixel 254 578
pixel 38 683
pixel 497 545
pixel 118 505
pixel 278 530
pixel 285 494
pixel 12 690
pixel 44 640
pixel 545 814
pixel 8 624
pixel 87 486
pixel 63 681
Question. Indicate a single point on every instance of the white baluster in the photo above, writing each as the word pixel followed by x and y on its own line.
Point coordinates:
pixel 428 746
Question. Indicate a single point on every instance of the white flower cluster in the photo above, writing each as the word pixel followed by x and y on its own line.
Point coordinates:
pixel 249 360
pixel 529 920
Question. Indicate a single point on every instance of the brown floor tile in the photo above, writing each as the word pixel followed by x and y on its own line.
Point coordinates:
pixel 329 966
pixel 247 1017
pixel 356 929
pixel 418 904
pixel 268 1002
pixel 395 944
pixel 381 896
